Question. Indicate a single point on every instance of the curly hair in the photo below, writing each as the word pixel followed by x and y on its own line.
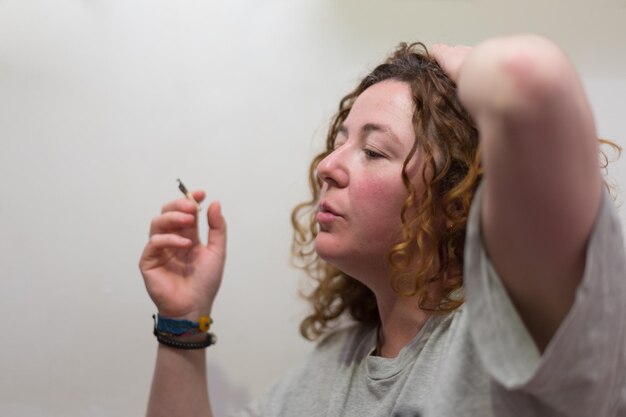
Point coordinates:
pixel 447 137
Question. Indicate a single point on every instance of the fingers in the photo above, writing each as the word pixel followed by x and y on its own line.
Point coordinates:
pixel 169 241
pixel 217 228
pixel 176 225
pixel 171 221
pixel 171 229
pixel 154 253
pixel 167 231
pixel 198 195
pixel 450 58
pixel 437 50
pixel 184 204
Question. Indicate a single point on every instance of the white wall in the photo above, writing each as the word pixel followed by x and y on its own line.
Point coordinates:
pixel 103 104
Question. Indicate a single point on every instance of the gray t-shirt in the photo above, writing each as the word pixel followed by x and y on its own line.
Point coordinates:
pixel 480 360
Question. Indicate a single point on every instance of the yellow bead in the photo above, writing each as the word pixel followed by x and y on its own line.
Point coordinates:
pixel 204 324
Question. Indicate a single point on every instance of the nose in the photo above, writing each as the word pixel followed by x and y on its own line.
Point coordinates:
pixel 333 168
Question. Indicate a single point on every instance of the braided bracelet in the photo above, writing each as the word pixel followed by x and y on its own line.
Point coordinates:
pixel 166 329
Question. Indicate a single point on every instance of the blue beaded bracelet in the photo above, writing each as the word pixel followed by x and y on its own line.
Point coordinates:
pixel 175 327
pixel 167 338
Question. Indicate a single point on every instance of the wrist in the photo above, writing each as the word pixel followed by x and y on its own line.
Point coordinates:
pixel 193 338
pixel 184 334
pixel 177 327
pixel 192 315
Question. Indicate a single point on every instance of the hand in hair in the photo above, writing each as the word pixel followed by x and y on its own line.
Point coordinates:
pixel 450 58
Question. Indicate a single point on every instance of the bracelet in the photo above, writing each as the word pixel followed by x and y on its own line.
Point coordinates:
pixel 166 338
pixel 173 327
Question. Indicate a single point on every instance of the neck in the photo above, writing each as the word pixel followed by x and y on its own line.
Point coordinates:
pixel 400 321
pixel 400 317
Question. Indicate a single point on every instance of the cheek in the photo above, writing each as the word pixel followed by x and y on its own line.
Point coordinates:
pixel 381 200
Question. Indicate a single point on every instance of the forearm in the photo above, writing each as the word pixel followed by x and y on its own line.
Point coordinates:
pixel 179 385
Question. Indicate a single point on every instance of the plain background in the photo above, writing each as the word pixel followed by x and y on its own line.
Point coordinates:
pixel 103 104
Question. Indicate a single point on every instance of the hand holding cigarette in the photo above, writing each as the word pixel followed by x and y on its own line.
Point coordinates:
pixel 184 190
pixel 182 274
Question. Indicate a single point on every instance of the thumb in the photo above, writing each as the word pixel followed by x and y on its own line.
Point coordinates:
pixel 217 228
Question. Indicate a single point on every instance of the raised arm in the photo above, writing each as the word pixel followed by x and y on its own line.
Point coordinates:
pixel 542 179
pixel 182 277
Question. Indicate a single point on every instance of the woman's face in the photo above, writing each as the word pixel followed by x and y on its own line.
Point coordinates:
pixel 362 191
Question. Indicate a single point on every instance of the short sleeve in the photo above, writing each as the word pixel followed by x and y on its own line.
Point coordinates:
pixel 582 371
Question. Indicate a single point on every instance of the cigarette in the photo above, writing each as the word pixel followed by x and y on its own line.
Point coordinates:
pixel 184 190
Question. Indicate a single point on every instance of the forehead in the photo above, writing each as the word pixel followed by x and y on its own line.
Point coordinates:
pixel 388 103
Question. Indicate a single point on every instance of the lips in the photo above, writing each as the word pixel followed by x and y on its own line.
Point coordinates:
pixel 326 214
pixel 327 208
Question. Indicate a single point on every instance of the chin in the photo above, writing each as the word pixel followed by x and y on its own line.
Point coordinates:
pixel 327 250
pixel 341 257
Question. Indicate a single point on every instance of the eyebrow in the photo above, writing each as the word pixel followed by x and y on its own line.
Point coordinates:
pixel 372 127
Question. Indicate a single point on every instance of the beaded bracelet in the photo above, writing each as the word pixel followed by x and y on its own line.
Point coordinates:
pixel 166 329
pixel 175 327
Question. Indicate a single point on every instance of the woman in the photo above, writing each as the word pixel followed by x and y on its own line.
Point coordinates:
pixel 395 246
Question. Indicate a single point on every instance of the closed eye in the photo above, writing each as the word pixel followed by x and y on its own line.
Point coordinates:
pixel 372 154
